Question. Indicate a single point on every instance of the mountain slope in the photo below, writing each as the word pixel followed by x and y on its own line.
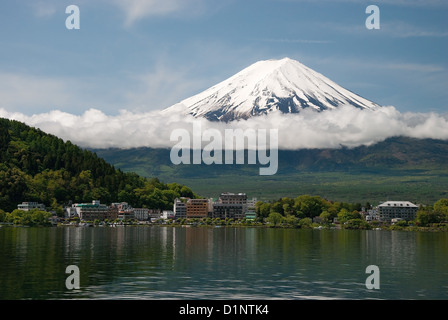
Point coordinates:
pixel 399 167
pixel 267 86
pixel 394 153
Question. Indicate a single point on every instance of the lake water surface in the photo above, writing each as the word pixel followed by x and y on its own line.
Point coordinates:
pixel 221 263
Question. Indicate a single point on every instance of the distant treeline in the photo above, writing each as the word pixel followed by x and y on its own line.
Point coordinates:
pixel 306 207
pixel 36 166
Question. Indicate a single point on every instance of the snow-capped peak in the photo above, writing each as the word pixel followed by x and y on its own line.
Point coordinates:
pixel 285 85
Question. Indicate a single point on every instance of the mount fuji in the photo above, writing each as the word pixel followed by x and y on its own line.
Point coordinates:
pixel 284 85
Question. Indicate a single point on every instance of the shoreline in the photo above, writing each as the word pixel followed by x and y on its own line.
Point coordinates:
pixel 237 225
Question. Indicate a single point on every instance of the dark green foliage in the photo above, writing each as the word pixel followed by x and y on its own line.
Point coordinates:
pixel 306 206
pixel 29 218
pixel 35 166
pixel 434 214
pixel 357 224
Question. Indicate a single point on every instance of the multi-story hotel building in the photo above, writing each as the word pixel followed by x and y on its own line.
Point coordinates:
pixel 397 210
pixel 197 208
pixel 180 208
pixel 141 214
pixel 228 210
pixel 230 205
pixel 91 211
pixel 233 198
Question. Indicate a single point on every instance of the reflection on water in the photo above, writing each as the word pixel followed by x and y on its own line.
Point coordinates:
pixel 221 263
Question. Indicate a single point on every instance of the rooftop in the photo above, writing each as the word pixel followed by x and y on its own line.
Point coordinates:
pixel 398 204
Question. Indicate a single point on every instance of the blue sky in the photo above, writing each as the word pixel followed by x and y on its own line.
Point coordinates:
pixel 142 55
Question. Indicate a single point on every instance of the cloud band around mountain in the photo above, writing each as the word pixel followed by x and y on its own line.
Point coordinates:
pixel 346 125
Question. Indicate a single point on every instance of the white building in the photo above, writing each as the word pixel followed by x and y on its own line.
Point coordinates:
pixel 154 214
pixel 27 206
pixel 372 214
pixel 90 211
pixel 252 202
pixel 404 210
pixel 167 214
pixel 141 214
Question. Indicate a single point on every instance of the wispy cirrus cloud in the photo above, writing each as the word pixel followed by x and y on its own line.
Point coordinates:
pixel 402 29
pixel 44 9
pixel 393 29
pixel 420 67
pixel 132 10
pixel 402 3
pixel 301 41
pixel 362 64
pixel 135 10
pixel 161 87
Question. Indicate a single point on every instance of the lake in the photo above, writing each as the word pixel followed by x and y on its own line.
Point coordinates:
pixel 156 262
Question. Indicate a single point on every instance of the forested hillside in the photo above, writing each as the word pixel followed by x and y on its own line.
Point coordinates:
pixel 35 166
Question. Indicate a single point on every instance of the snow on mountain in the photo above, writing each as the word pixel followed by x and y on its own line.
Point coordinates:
pixel 284 85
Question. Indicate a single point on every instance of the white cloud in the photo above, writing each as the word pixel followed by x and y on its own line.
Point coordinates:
pixel 135 10
pixel 329 129
pixel 44 9
pixel 161 87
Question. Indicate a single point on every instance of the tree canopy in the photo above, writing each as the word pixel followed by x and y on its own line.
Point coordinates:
pixel 306 206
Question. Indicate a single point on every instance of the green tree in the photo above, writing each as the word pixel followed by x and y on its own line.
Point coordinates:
pixel 28 218
pixel 357 224
pixel 288 209
pixel 2 216
pixel 39 217
pixel 291 220
pixel 402 223
pixel 441 208
pixel 14 186
pixel 310 206
pixel 326 217
pixel 277 207
pixel 305 223
pixel 275 218
pixel 344 215
pixel 262 209
pixel 186 192
pixel 427 216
